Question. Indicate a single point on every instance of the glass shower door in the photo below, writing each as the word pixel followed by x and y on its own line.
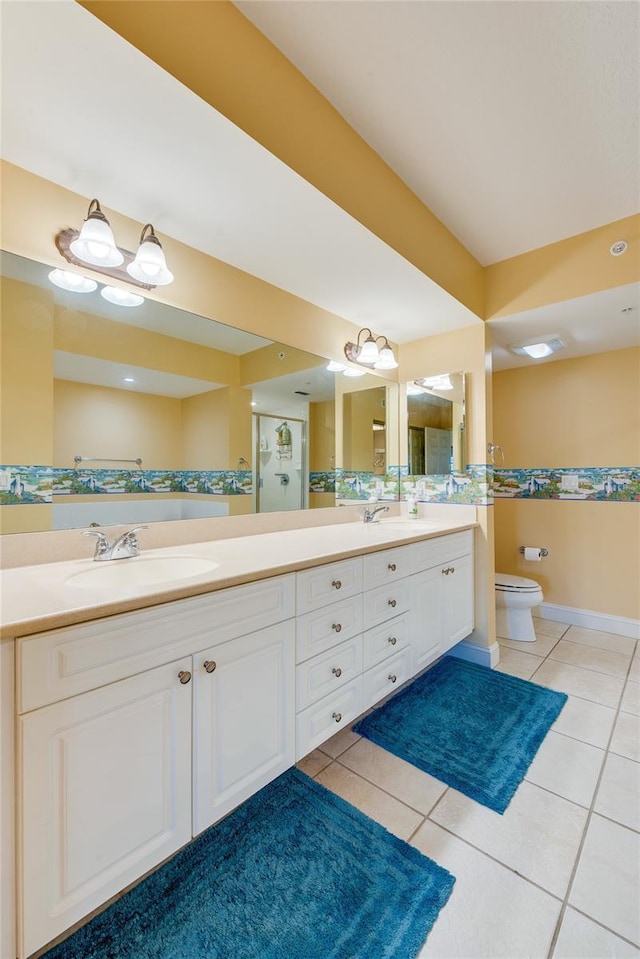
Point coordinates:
pixel 280 463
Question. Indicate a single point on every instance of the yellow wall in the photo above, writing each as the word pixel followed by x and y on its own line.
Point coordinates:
pixel 322 432
pixel 119 424
pixel 359 411
pixel 571 413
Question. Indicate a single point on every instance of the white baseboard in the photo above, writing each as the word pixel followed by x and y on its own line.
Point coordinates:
pixel 604 622
pixel 473 653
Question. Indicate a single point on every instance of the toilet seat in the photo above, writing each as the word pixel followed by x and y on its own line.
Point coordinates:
pixel 506 583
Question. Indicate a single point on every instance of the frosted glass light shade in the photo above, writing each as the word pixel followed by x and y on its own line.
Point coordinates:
pixel 95 243
pixel 72 282
pixel 121 297
pixel 334 367
pixel 369 352
pixel 352 372
pixel 386 360
pixel 149 265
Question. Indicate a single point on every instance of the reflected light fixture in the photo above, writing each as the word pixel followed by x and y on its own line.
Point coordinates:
pixel 72 282
pixel 349 371
pixel 334 367
pixel 95 243
pixel 367 352
pixel 149 265
pixel 441 383
pixel 540 349
pixel 118 297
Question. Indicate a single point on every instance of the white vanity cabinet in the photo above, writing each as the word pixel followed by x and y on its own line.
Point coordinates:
pixel 106 794
pixel 120 774
pixel 443 594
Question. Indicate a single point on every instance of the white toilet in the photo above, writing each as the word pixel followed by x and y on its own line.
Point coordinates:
pixel 515 598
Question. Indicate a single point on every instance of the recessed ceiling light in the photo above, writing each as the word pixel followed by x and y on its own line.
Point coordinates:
pixel 128 379
pixel 72 282
pixel 618 248
pixel 121 297
pixel 540 349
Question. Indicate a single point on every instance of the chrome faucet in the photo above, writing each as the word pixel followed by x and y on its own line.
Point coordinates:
pixel 369 513
pixel 123 547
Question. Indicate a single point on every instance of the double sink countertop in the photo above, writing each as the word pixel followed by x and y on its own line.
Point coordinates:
pixel 52 595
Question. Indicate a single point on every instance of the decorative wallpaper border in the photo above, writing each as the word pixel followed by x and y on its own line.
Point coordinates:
pixel 28 485
pixel 470 488
pixel 608 484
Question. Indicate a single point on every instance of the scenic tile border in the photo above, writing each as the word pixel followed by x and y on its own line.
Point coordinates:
pixel 472 488
pixel 603 484
pixel 322 481
pixel 28 485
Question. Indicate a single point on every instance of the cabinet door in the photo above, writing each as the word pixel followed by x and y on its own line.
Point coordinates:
pixel 106 795
pixel 244 719
pixel 459 602
pixel 429 620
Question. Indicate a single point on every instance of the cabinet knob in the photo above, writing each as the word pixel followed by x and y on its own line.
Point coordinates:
pixel 392 640
pixel 337 583
pixel 337 627
pixel 391 602
pixel 337 717
pixel 392 567
pixel 392 677
pixel 452 569
pixel 337 672
pixel 209 665
pixel 445 572
pixel 184 676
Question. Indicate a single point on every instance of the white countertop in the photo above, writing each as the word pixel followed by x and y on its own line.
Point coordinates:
pixel 37 598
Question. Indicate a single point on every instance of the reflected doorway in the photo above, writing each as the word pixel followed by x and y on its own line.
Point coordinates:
pixel 281 468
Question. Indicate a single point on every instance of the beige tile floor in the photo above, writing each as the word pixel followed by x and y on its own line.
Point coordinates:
pixel 557 876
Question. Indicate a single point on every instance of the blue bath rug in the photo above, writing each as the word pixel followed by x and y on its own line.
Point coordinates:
pixel 472 727
pixel 293 873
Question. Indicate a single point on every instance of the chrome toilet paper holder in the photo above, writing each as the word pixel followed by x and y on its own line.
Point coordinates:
pixel 543 552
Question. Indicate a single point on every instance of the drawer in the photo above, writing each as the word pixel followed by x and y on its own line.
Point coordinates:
pixel 322 720
pixel 383 641
pixel 64 662
pixel 325 673
pixel 326 584
pixel 379 605
pixel 379 569
pixel 432 552
pixel 386 677
pixel 326 627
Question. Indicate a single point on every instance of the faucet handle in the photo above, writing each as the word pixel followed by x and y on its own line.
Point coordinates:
pixel 130 535
pixel 102 543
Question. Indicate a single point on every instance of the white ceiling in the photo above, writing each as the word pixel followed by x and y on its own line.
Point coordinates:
pixel 90 369
pixel 517 124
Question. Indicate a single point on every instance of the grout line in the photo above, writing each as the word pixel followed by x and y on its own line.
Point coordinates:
pixel 371 782
pixel 590 815
pixel 602 926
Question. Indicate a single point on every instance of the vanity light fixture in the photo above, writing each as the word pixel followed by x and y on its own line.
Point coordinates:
pixel 72 282
pixel 540 348
pixel 367 352
pixel 94 245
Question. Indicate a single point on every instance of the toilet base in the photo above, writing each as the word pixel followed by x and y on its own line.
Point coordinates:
pixel 516 624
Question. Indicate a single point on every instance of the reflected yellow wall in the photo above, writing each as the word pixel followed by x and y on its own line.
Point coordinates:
pixel 216 429
pixel 27 374
pixel 322 431
pixel 116 424
pixel 570 413
pixel 359 411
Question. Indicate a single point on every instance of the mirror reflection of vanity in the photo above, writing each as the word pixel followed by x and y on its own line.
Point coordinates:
pixel 114 415
pixel 436 433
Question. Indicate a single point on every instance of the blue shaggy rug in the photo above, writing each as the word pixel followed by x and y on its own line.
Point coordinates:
pixel 294 873
pixel 472 727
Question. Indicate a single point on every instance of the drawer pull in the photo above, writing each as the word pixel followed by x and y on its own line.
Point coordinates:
pixel 392 677
pixel 452 569
pixel 337 672
pixel 209 665
pixel 392 640
pixel 337 717
pixel 449 569
pixel 337 627
pixel 392 567
pixel 337 583
pixel 184 676
pixel 392 602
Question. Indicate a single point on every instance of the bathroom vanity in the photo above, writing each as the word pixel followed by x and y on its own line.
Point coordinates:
pixel 145 712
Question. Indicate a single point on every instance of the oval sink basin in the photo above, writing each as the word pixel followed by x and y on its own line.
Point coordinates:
pixel 141 571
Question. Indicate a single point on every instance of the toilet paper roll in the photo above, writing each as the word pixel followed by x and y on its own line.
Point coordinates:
pixel 533 554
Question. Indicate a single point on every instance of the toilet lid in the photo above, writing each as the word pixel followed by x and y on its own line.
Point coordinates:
pixel 515 584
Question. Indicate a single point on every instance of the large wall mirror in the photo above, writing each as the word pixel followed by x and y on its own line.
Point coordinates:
pixel 366 437
pixel 129 415
pixel 435 436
